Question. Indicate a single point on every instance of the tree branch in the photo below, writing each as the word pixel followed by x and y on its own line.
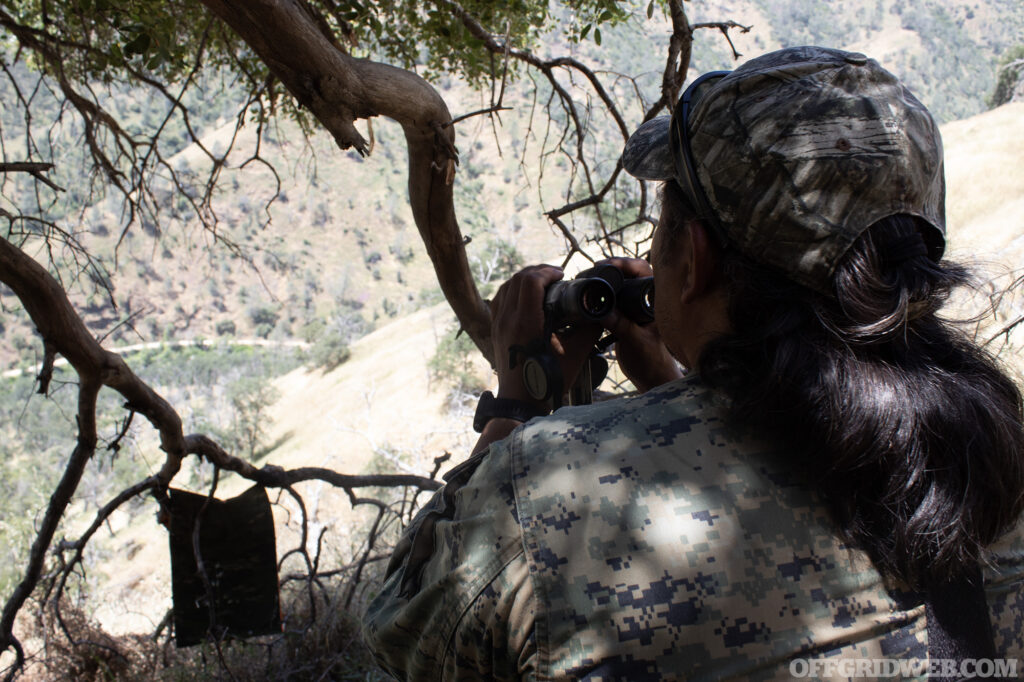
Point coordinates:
pixel 678 61
pixel 338 89
pixel 59 325
pixel 273 476
pixel 35 169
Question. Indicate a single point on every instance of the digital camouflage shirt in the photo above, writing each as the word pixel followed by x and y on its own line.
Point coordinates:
pixel 641 539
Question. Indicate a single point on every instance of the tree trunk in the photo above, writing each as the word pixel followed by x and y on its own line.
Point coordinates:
pixel 338 89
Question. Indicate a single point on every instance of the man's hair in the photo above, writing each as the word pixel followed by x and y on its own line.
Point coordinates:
pixel 910 431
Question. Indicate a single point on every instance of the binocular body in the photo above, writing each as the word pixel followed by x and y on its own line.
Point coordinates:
pixel 596 292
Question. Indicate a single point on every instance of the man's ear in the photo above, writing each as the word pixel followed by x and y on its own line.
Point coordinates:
pixel 701 262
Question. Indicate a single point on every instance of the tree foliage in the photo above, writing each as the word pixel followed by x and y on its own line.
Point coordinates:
pixel 1010 77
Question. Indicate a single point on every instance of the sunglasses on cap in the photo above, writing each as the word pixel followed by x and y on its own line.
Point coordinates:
pixel 686 168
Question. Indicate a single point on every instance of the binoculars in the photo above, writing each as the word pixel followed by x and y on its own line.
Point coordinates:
pixel 594 293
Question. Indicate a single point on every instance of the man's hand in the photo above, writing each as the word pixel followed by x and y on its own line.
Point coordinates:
pixel 640 352
pixel 517 318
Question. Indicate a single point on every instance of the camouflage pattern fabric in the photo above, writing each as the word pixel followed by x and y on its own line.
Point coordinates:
pixel 799 151
pixel 641 539
pixel 1004 591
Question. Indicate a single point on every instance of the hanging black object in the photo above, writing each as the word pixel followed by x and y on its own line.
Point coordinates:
pixel 239 556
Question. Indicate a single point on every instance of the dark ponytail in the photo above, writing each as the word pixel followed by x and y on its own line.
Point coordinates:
pixel 910 431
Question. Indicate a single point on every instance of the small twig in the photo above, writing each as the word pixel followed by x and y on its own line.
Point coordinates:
pixel 1005 331
pixel 200 564
pixel 115 445
pixel 724 27
pixel 370 540
pixel 302 549
pixel 33 168
pixel 295 577
pixel 479 112
pixel 164 623
pixel 46 367
pixel 440 460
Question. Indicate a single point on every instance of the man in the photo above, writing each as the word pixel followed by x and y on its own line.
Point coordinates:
pixel 825 486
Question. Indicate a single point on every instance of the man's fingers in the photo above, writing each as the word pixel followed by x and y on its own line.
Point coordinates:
pixel 630 267
pixel 577 342
pixel 525 288
pixel 533 280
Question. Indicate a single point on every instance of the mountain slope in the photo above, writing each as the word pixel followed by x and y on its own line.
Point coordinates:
pixel 380 410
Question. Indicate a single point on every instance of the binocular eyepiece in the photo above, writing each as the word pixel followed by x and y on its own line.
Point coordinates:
pixel 594 293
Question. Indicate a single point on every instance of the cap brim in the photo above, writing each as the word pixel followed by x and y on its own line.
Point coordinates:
pixel 648 152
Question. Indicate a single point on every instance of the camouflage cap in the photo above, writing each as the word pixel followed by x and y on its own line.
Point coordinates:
pixel 798 152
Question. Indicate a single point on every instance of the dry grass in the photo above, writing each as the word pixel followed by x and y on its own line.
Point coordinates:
pixel 322 643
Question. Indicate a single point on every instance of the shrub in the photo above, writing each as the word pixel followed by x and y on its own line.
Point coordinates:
pixel 1008 75
pixel 452 364
pixel 329 351
pixel 263 315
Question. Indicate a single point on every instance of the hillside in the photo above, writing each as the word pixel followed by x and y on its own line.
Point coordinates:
pixel 985 214
pixel 334 249
pixel 378 412
pixel 985 180
pixel 381 409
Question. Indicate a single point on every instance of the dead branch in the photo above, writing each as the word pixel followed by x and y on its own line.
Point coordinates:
pixel 59 501
pixel 479 112
pixel 272 476
pixel 63 332
pixel 678 61
pixel 724 27
pixel 35 169
pixel 59 325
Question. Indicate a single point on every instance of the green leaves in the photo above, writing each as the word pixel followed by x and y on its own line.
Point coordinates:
pixel 137 45
pixel 592 14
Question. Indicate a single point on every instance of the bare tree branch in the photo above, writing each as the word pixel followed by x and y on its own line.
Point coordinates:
pixel 54 512
pixel 678 61
pixel 724 27
pixel 273 476
pixel 48 306
pixel 35 169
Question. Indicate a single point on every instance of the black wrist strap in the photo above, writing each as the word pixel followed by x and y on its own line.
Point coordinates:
pixel 490 407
